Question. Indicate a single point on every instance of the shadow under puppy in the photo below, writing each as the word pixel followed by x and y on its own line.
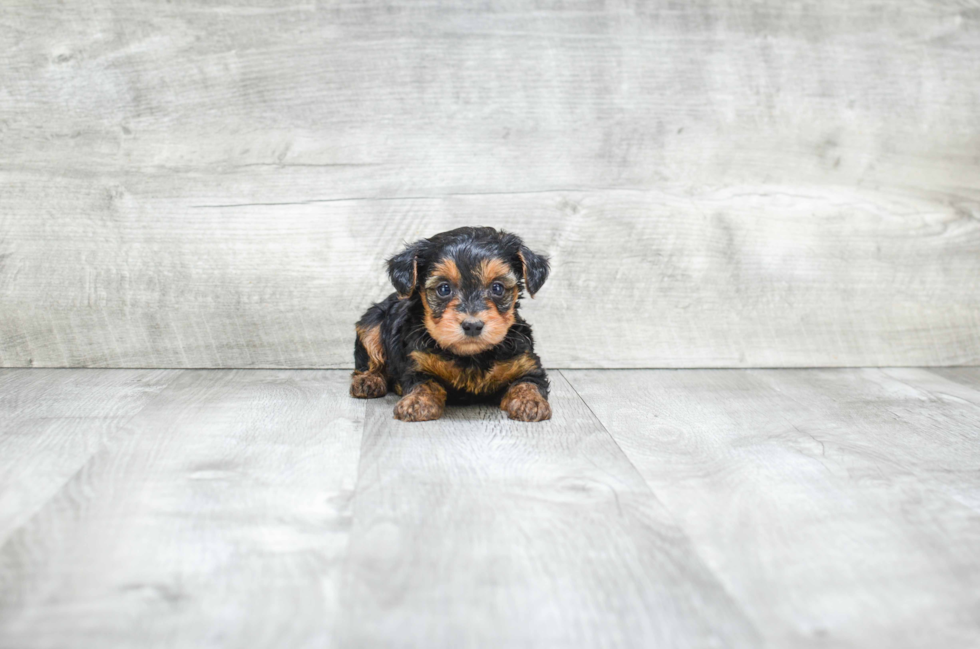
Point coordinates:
pixel 452 332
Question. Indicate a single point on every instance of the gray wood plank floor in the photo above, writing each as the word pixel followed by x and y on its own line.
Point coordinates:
pixel 700 508
pixel 839 507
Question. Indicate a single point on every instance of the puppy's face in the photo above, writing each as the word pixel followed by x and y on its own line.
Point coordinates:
pixel 469 302
pixel 469 281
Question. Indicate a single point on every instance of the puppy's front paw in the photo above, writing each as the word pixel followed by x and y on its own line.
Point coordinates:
pixel 424 403
pixel 524 402
pixel 365 385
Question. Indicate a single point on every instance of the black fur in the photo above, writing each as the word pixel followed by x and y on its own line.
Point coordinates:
pixel 535 270
pixel 400 315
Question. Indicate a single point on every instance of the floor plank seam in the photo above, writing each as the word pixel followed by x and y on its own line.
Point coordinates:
pixel 346 564
pixel 693 548
pixel 103 444
pixel 611 437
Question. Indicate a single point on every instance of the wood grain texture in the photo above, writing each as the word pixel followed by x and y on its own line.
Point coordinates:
pixel 52 422
pixel 714 508
pixel 218 517
pixel 719 184
pixel 475 530
pixel 968 377
pixel 839 508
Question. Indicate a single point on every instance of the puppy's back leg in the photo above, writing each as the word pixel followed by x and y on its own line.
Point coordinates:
pixel 370 377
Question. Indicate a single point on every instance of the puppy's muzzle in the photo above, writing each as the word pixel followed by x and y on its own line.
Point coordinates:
pixel 472 327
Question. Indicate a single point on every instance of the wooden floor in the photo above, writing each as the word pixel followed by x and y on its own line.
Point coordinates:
pixel 700 508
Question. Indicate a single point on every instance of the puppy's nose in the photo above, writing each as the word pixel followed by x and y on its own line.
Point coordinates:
pixel 472 327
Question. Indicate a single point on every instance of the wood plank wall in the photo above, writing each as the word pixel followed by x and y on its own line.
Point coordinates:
pixel 216 184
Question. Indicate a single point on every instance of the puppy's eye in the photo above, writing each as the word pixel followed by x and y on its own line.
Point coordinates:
pixel 443 290
pixel 497 289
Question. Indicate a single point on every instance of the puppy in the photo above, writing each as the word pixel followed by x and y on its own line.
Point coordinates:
pixel 452 332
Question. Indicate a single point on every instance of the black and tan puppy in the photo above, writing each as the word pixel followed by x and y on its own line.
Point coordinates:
pixel 452 332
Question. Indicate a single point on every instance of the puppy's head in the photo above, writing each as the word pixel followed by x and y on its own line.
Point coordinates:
pixel 469 281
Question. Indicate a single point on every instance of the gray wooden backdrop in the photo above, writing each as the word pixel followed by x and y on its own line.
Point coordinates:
pixel 215 184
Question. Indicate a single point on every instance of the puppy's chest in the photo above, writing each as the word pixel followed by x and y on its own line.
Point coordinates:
pixel 471 379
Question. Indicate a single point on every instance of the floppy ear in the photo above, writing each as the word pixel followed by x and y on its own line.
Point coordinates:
pixel 535 268
pixel 403 270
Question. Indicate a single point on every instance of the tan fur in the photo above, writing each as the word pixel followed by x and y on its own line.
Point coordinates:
pixel 496 269
pixel 524 270
pixel 445 269
pixel 446 329
pixel 523 402
pixel 367 385
pixel 371 339
pixel 448 332
pixel 425 402
pixel 372 383
pixel 474 380
pixel 495 324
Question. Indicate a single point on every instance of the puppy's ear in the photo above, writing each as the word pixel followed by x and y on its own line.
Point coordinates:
pixel 403 269
pixel 535 269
